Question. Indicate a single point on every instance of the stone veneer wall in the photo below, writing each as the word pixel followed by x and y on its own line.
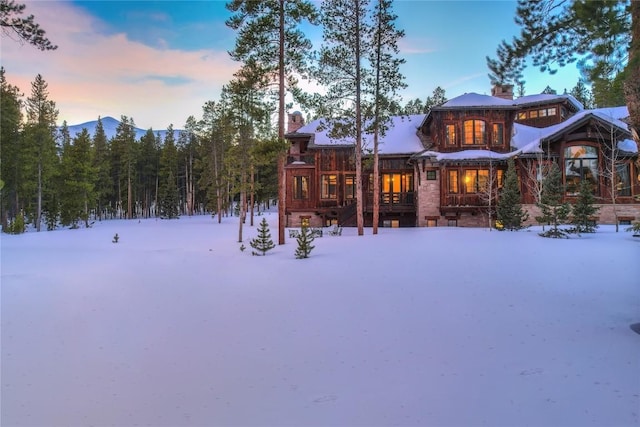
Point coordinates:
pixel 428 200
pixel 294 220
pixel 604 216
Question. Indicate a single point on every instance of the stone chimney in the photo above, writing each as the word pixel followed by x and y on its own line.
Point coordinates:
pixel 295 121
pixel 502 91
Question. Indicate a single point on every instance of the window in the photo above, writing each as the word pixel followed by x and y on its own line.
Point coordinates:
pixel 477 180
pixel 500 175
pixel 498 134
pixel 522 115
pixel 581 163
pixel 474 132
pixel 452 222
pixel 543 112
pixel 328 187
pixel 300 187
pixel 432 223
pixel 391 223
pixel 623 180
pixel 350 187
pixel 453 181
pixel 450 135
pixel 551 111
pixel 431 175
pixel 533 114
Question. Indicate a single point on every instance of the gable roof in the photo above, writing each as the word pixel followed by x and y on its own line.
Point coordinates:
pixel 545 98
pixel 475 100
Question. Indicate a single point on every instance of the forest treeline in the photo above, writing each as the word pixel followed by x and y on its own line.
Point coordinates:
pixel 51 177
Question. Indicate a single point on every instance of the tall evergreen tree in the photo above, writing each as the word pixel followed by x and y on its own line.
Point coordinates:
pixel 168 170
pixel 123 154
pixel 438 98
pixel 386 81
pixel 10 152
pixel 169 198
pixel 78 186
pixel 215 134
pixel 509 209
pixel 342 70
pixel 553 210
pixel 101 165
pixel 270 40
pixel 584 209
pixel 262 243
pixel 148 164
pixel 40 154
pixel 27 30
pixel 582 93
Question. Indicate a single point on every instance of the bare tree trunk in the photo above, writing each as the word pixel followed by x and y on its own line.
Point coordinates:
pixel 358 81
pixel 243 202
pixel 282 157
pixel 129 195
pixel 252 195
pixel 39 206
pixel 632 83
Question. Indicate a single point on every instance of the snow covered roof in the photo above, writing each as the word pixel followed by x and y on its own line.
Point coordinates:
pixel 476 100
pixel 544 98
pixel 526 139
pixel 400 138
pixel 614 112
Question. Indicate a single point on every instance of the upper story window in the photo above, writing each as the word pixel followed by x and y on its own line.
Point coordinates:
pixel 453 181
pixel 497 135
pixel 328 187
pixel 474 132
pixel 450 134
pixel 350 187
pixel 300 187
pixel 580 163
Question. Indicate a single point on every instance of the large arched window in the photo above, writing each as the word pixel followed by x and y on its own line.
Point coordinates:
pixel 475 132
pixel 580 163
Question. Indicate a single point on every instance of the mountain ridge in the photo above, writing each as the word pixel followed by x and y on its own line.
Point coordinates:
pixel 110 126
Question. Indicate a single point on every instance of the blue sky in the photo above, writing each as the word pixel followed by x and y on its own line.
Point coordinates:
pixel 160 61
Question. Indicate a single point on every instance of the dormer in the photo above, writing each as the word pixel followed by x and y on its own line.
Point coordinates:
pixel 546 109
pixel 470 122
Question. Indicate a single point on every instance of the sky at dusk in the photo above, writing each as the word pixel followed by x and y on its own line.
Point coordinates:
pixel 158 62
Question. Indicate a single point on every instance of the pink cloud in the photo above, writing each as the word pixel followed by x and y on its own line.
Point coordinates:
pixel 92 73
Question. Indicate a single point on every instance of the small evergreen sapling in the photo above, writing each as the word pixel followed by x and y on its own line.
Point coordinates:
pixel 509 209
pixel 305 238
pixel 263 243
pixel 553 210
pixel 584 209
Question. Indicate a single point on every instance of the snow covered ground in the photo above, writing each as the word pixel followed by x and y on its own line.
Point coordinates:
pixel 175 326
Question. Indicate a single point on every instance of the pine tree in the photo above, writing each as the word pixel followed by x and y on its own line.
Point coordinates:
pixel 263 242
pixel 148 163
pixel 509 209
pixel 269 37
pixel 386 81
pixel 553 210
pixel 581 92
pixel 438 98
pixel 10 152
pixel 343 70
pixel 102 168
pixel 77 188
pixel 305 238
pixel 39 156
pixel 26 29
pixel 584 209
pixel 169 198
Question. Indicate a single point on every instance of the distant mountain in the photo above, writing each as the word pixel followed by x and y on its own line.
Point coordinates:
pixel 110 125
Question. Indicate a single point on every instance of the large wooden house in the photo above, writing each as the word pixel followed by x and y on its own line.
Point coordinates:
pixel 445 168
